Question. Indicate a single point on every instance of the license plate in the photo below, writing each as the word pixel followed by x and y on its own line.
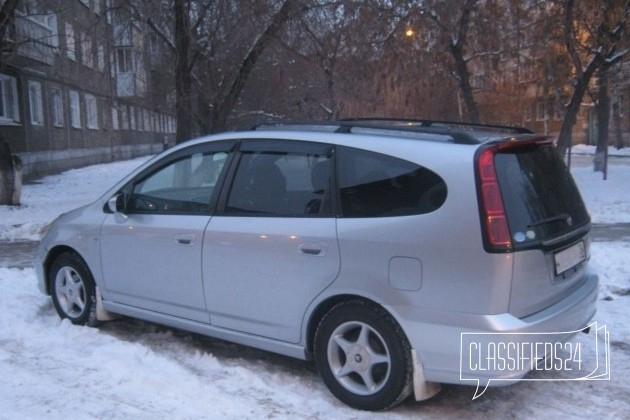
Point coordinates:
pixel 569 258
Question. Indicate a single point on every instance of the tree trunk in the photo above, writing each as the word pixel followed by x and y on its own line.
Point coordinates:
pixel 603 119
pixel 10 176
pixel 617 123
pixel 570 117
pixel 461 66
pixel 6 12
pixel 464 85
pixel 183 80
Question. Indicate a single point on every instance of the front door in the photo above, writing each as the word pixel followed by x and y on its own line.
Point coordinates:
pixel 151 251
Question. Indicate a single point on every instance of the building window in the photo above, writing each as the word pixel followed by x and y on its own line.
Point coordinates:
pixel 100 53
pixel 70 44
pixel 50 21
pixel 86 3
pixel 56 103
pixel 97 7
pixel 132 117
pixel 124 60
pixel 108 11
pixel 139 119
pixel 35 102
pixel 75 109
pixel 124 116
pixel 9 110
pixel 147 120
pixel 115 124
pixel 91 111
pixel 86 50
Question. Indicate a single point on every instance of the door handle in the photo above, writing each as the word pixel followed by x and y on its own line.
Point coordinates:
pixel 185 239
pixel 313 249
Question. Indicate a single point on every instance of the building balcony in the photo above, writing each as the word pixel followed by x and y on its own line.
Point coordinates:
pixel 31 41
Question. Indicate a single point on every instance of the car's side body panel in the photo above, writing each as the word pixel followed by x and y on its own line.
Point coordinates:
pixel 260 273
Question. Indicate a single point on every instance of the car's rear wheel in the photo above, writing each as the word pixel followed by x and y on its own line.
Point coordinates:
pixel 72 289
pixel 363 356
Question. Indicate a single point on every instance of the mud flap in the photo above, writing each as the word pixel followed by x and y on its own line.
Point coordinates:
pixel 422 390
pixel 101 313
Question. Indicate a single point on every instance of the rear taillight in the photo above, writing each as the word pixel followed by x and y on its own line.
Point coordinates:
pixel 496 232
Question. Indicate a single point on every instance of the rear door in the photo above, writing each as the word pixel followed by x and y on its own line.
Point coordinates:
pixel 272 246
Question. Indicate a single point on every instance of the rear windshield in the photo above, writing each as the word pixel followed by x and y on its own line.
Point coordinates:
pixel 541 199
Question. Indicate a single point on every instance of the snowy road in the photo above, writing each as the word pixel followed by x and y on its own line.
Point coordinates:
pixel 50 369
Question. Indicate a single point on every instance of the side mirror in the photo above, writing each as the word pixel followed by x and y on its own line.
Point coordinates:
pixel 116 204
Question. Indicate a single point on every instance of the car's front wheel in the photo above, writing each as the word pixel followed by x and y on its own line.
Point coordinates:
pixel 363 356
pixel 73 290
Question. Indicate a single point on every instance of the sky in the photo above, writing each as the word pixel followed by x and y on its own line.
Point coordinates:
pixel 132 369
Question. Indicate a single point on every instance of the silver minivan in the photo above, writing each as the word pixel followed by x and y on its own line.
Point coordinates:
pixel 368 246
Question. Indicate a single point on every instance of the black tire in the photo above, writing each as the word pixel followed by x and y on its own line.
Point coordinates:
pixel 363 356
pixel 72 289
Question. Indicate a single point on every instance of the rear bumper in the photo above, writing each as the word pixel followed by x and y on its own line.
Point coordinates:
pixel 441 339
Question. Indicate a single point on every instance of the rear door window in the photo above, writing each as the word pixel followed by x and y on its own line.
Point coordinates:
pixel 276 178
pixel 377 185
pixel 541 199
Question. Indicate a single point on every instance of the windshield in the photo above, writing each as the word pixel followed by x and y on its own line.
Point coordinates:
pixel 541 199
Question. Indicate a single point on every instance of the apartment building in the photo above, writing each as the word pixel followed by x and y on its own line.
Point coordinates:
pixel 81 82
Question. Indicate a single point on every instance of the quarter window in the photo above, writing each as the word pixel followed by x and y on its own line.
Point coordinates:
pixel 376 185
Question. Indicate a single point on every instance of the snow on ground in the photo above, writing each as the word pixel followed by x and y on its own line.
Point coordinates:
pixel 132 369
pixel 53 195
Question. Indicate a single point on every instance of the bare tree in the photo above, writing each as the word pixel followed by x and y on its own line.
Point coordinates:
pixel 216 44
pixel 592 33
pixel 453 21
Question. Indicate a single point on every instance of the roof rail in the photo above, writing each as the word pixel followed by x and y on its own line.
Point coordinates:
pixel 443 123
pixel 459 133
